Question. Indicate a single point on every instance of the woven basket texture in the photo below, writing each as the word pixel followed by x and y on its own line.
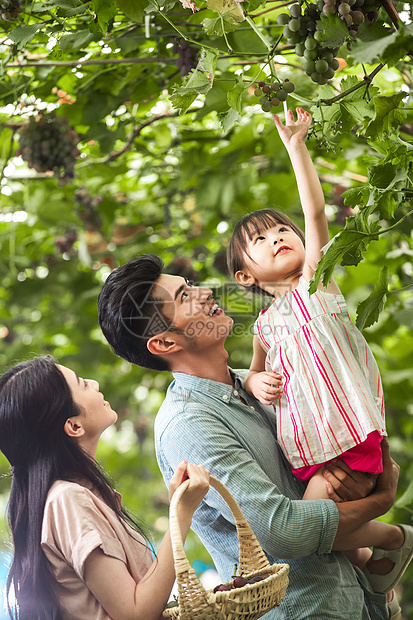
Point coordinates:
pixel 247 603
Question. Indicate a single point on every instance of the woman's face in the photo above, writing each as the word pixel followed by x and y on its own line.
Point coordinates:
pixel 96 413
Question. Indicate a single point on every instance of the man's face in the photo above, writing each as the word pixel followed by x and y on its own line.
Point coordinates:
pixel 192 310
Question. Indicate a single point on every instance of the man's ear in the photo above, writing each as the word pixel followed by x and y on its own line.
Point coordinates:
pixel 244 279
pixel 73 427
pixel 164 344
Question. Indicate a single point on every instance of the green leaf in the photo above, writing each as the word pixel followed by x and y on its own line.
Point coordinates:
pixel 234 97
pixel 105 11
pixel 326 115
pixel 228 120
pixel 356 196
pixel 24 34
pixel 372 32
pixel 229 8
pixel 75 41
pixel 133 8
pixel 219 25
pixel 368 311
pixel 199 82
pixel 335 30
pixel 388 116
pixel 370 51
pixel 348 246
pixel 385 176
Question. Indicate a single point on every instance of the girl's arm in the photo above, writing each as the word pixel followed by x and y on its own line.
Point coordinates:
pixel 109 579
pixel 293 135
pixel 264 385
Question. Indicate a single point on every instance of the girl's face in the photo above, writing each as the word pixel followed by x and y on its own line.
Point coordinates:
pixel 273 258
pixel 96 414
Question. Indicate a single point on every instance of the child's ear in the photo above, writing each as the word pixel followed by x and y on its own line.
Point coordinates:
pixel 164 343
pixel 73 427
pixel 244 279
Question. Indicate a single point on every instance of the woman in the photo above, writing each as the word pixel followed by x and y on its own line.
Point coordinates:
pixel 77 553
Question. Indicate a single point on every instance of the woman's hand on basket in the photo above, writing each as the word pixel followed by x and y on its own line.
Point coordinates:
pixel 198 485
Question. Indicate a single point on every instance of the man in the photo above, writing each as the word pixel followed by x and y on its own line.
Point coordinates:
pixel 160 321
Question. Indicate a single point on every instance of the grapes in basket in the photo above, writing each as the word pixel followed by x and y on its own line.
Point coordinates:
pixel 239 582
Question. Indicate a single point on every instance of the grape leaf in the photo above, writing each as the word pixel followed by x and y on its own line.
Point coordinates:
pixel 384 176
pixel 388 116
pixel 75 41
pixel 251 5
pixel 356 196
pixel 372 32
pixel 62 4
pixel 199 81
pixel 105 10
pixel 227 8
pixel 228 120
pixel 389 48
pixel 219 25
pixel 24 34
pixel 348 246
pixel 368 310
pixel 335 30
pixel 326 115
pixel 359 109
pixel 132 8
pixel 234 97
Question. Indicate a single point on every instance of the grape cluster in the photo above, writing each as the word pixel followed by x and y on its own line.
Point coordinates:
pixel 65 242
pixel 87 209
pixel 271 95
pixel 47 142
pixel 187 56
pixel 10 9
pixel 302 28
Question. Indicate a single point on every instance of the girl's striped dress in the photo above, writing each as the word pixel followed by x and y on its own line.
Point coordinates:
pixel 333 395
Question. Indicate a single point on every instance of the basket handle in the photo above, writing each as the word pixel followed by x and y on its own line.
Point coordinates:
pixel 251 555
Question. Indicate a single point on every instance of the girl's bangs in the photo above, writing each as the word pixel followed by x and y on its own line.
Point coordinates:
pixel 256 223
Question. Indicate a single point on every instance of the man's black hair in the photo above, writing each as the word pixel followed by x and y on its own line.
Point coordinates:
pixel 129 314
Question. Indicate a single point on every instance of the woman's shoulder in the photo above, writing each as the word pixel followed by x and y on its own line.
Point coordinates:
pixel 66 491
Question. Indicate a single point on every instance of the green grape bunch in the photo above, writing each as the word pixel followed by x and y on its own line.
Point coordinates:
pixel 48 143
pixel 10 9
pixel 271 95
pixel 303 30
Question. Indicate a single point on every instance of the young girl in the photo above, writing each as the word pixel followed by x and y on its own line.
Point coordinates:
pixel 77 552
pixel 309 359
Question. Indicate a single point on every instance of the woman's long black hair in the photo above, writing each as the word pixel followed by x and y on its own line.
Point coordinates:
pixel 35 402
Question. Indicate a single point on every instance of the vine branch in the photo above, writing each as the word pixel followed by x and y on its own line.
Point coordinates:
pixel 366 80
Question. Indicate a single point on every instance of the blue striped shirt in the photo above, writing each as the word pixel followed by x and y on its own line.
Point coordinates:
pixel 207 422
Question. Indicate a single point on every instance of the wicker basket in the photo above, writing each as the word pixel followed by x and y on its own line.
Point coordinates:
pixel 247 603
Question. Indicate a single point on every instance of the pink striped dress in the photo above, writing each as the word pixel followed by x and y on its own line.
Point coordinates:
pixel 333 395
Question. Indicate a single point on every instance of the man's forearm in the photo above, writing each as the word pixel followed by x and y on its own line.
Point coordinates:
pixel 353 514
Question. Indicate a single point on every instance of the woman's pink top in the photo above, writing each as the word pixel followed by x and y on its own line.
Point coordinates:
pixel 76 521
pixel 333 396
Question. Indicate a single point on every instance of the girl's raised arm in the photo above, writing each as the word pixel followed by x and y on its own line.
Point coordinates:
pixel 293 135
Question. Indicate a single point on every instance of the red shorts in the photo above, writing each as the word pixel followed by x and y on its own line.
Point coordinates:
pixel 366 457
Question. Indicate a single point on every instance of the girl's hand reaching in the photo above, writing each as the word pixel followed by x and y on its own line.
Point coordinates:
pixel 198 486
pixel 293 133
